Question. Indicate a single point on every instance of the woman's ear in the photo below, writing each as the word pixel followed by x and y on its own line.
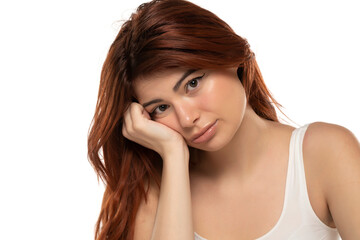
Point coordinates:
pixel 240 71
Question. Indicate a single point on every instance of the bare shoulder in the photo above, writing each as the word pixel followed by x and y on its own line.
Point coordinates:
pixel 334 152
pixel 145 216
pixel 334 148
pixel 329 133
pixel 330 142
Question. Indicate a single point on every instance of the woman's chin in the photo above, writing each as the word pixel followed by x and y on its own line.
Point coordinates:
pixel 211 146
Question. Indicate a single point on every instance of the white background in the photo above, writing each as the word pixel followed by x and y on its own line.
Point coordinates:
pixel 51 54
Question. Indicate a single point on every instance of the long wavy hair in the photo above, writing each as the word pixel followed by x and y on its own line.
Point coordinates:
pixel 161 34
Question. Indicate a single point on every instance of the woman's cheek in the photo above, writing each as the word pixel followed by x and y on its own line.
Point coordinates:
pixel 208 97
pixel 170 121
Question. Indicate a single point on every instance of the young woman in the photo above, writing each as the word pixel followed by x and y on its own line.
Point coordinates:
pixel 188 142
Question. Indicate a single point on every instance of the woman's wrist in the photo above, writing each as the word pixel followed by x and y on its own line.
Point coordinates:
pixel 176 154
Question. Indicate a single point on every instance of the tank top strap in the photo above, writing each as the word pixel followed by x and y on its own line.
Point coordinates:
pixel 297 159
pixel 294 189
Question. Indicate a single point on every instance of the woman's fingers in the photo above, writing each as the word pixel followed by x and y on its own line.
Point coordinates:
pixel 134 125
pixel 138 127
pixel 137 118
pixel 127 128
pixel 124 130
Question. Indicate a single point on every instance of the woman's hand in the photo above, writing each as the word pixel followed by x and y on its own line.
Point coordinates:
pixel 138 127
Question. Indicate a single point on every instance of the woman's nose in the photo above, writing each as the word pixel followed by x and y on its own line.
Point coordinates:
pixel 187 114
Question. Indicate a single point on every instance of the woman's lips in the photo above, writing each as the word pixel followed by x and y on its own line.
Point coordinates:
pixel 206 134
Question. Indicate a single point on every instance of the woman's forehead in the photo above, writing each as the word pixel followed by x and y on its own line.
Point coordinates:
pixel 163 74
pixel 159 81
pixel 160 77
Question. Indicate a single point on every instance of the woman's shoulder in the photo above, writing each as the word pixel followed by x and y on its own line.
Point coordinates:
pixel 328 130
pixel 328 141
pixel 330 145
pixel 332 153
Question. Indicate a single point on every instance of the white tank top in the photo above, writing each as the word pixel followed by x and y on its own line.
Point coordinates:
pixel 297 221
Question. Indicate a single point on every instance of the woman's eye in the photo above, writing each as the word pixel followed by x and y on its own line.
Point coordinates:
pixel 159 109
pixel 193 83
pixel 162 108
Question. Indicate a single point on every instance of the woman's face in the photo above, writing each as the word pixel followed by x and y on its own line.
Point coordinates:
pixel 205 106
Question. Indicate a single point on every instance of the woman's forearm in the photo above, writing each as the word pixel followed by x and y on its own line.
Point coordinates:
pixel 174 213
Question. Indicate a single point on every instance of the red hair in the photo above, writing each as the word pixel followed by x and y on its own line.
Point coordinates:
pixel 161 34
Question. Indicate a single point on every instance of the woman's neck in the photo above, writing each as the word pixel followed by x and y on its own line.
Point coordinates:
pixel 242 155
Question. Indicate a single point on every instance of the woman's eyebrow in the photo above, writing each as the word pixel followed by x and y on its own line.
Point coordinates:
pixel 151 102
pixel 186 74
pixel 175 88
